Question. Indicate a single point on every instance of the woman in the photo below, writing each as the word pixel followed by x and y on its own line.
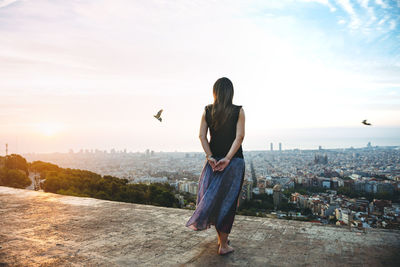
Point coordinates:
pixel 222 177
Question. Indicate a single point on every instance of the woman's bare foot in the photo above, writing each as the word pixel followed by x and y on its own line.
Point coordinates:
pixel 226 250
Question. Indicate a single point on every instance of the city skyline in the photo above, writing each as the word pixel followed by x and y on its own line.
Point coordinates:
pixel 91 74
pixel 146 151
pixel 306 141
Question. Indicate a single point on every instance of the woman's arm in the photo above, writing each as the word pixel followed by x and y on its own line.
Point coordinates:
pixel 221 164
pixel 204 141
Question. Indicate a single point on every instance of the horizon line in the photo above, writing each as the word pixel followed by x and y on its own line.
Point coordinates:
pixel 176 151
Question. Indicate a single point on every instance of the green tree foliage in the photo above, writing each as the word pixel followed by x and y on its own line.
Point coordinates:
pixel 188 198
pixel 14 171
pixel 85 183
pixel 285 206
pixel 42 167
pixel 259 203
pixel 395 197
pixel 16 162
pixel 14 178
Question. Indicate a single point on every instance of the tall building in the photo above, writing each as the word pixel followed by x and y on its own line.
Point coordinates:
pixel 272 147
pixel 280 146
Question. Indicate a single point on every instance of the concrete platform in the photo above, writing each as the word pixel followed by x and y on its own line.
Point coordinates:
pixel 44 229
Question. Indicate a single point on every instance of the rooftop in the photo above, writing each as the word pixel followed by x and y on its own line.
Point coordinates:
pixel 44 229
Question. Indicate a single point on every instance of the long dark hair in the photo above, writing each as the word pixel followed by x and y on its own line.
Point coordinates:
pixel 222 107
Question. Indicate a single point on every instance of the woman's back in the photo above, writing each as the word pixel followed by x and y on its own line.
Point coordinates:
pixel 223 137
pixel 222 177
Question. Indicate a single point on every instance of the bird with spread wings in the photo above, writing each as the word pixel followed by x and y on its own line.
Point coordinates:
pixel 365 122
pixel 158 115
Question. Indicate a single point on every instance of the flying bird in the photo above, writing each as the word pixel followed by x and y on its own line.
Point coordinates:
pixel 366 123
pixel 158 115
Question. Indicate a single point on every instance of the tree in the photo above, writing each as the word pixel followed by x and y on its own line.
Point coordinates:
pixel 16 162
pixel 307 211
pixel 43 167
pixel 85 183
pixel 14 178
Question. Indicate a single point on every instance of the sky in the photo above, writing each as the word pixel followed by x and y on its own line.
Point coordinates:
pixel 90 74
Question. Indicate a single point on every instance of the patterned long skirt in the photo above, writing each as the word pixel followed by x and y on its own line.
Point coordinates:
pixel 217 198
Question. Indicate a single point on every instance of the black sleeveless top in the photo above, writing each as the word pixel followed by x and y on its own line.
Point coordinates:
pixel 222 138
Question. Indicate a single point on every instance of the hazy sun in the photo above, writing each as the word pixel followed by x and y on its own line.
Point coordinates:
pixel 49 129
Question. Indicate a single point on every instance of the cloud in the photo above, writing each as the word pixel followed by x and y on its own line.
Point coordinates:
pixel 370 11
pixel 323 2
pixel 5 3
pixel 383 20
pixel 381 3
pixel 363 3
pixel 392 24
pixel 346 6
pixel 370 18
pixel 355 22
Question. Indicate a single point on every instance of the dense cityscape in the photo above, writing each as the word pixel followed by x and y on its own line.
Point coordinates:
pixel 356 187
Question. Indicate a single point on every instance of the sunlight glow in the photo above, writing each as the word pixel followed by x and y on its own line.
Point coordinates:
pixel 49 129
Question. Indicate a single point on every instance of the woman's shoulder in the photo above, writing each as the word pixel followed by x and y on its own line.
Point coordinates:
pixel 208 107
pixel 237 107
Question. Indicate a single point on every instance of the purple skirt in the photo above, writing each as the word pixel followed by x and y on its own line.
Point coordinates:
pixel 217 198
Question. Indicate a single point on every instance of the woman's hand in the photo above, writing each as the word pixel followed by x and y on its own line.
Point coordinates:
pixel 212 162
pixel 222 164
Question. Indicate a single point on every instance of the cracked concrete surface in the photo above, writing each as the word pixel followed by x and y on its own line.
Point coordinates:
pixel 44 229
